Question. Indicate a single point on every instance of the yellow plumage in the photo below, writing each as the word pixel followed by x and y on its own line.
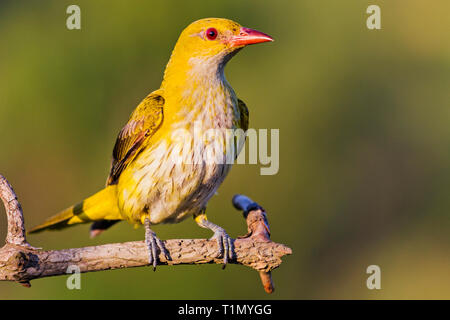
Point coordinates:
pixel 160 170
pixel 102 205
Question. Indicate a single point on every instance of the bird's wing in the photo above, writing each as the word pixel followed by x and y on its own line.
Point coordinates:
pixel 143 123
pixel 243 124
pixel 243 110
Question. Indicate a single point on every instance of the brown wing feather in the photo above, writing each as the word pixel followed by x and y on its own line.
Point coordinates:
pixel 243 124
pixel 244 114
pixel 143 123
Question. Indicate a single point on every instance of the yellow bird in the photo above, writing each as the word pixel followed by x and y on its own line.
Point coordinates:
pixel 166 163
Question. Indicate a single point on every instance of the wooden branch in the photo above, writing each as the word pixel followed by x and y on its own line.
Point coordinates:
pixel 21 262
pixel 16 226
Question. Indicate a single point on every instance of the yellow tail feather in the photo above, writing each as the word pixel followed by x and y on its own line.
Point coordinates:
pixel 100 206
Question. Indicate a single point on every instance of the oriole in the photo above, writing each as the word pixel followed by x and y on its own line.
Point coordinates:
pixel 145 185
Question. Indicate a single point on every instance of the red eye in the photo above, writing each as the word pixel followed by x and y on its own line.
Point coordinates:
pixel 211 33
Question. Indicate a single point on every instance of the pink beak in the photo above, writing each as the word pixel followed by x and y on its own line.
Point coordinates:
pixel 249 36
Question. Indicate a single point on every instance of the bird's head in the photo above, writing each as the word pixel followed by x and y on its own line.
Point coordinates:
pixel 210 37
pixel 211 43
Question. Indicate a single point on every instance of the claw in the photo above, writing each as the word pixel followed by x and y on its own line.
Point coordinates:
pixel 163 249
pixel 225 245
pixel 224 242
pixel 153 242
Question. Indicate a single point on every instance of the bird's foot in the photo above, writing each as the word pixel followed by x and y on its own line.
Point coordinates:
pixel 225 244
pixel 153 244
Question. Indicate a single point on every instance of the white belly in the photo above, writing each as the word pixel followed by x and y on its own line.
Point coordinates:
pixel 176 177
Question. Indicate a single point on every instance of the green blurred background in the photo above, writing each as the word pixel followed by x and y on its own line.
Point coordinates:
pixel 364 119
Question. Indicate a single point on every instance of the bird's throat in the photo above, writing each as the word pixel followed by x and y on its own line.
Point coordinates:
pixel 196 90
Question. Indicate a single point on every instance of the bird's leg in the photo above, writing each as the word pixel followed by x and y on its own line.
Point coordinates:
pixel 152 242
pixel 224 242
